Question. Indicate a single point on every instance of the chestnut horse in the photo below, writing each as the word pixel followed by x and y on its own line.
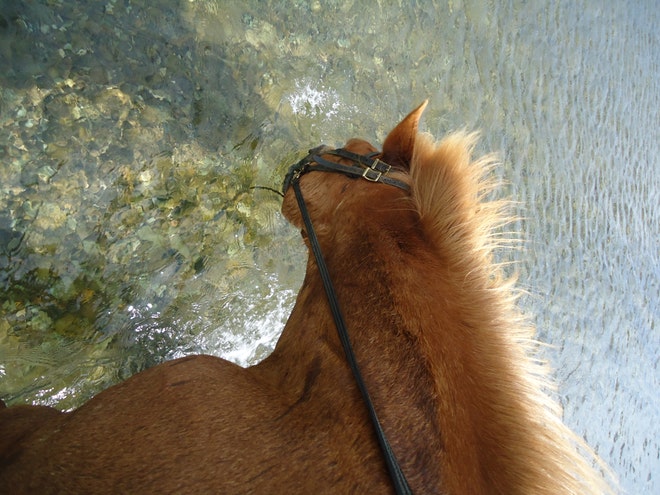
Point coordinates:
pixel 446 357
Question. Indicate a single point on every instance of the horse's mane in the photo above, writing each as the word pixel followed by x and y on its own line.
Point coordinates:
pixel 451 193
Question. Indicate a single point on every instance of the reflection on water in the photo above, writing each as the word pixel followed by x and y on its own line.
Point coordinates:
pixel 133 132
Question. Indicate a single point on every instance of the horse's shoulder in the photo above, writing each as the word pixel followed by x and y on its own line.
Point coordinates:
pixel 20 422
pixel 181 381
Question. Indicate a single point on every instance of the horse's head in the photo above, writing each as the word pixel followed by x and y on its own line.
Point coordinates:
pixel 333 183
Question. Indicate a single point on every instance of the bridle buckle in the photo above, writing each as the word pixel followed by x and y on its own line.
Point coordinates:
pixel 372 175
pixel 375 171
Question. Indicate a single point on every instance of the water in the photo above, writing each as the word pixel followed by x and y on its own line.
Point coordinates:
pixel 132 133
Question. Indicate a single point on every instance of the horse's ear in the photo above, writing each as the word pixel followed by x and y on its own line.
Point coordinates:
pixel 400 142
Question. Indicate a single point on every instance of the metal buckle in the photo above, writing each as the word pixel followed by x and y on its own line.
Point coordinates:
pixel 372 175
pixel 375 171
pixel 379 166
pixel 294 173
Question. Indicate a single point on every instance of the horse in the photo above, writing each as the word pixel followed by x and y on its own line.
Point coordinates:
pixel 448 360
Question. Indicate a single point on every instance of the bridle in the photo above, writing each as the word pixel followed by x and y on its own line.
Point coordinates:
pixel 368 167
pixel 374 170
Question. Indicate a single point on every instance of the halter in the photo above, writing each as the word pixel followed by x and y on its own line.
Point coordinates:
pixel 367 166
pixel 374 170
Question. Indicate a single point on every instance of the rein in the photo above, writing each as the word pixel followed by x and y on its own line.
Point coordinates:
pixel 373 170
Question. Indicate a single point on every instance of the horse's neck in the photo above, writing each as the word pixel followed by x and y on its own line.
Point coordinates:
pixel 396 374
pixel 418 341
pixel 362 275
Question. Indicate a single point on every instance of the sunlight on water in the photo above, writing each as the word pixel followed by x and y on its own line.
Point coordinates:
pixel 310 99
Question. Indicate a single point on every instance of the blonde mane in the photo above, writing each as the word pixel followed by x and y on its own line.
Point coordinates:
pixel 524 441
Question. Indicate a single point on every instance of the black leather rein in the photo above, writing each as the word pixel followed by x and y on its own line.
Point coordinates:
pixel 374 170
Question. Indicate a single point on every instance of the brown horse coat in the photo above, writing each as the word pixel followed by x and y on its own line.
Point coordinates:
pixel 447 359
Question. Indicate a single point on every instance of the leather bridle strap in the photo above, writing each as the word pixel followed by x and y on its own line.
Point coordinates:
pixel 399 481
pixel 369 167
pixel 374 170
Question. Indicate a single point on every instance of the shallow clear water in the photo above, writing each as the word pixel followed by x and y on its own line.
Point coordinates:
pixel 132 133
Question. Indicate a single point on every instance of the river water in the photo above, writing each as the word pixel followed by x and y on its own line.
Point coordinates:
pixel 133 132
